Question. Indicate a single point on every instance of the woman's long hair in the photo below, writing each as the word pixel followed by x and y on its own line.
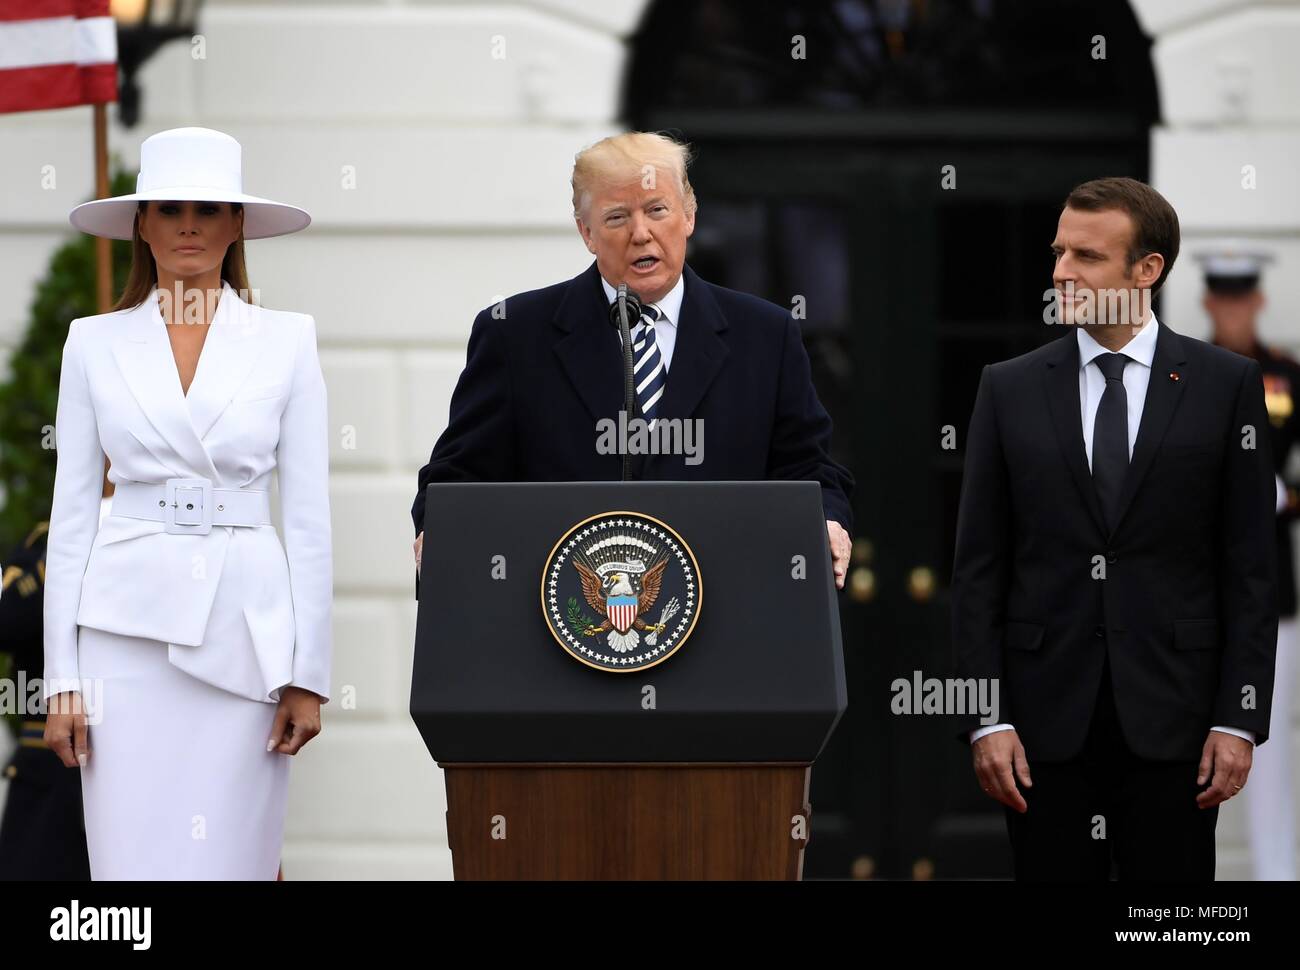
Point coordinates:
pixel 143 276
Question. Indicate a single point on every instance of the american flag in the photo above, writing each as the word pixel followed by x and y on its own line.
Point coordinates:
pixel 56 53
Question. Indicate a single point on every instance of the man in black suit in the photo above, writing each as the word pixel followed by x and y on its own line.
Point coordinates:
pixel 545 368
pixel 1115 565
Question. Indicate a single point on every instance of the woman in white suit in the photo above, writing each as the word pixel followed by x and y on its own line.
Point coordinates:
pixel 187 652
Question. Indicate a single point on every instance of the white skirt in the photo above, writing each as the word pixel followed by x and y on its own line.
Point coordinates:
pixel 179 784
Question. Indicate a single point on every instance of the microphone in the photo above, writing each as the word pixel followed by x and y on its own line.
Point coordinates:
pixel 626 307
pixel 633 305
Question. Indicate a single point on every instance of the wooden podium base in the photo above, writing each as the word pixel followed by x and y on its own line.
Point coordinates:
pixel 627 821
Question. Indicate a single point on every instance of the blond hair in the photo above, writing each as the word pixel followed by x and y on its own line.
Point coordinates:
pixel 630 157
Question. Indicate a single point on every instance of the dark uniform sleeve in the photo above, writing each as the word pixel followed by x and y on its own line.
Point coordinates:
pixel 22 602
pixel 1286 428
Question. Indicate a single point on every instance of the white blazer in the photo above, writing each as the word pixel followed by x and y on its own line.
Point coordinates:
pixel 230 607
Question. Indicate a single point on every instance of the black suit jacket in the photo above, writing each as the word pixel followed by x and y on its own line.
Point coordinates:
pixel 539 376
pixel 1187 608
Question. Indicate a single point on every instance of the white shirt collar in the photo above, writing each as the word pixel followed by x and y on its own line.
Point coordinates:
pixel 1141 348
pixel 670 306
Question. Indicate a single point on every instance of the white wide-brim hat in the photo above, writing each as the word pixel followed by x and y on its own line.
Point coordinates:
pixel 189 165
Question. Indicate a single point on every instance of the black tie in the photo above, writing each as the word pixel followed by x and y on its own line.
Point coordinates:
pixel 1110 437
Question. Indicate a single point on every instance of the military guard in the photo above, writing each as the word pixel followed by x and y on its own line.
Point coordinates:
pixel 42 832
pixel 1233 300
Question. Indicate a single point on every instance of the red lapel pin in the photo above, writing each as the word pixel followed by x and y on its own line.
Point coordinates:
pixel 1173 375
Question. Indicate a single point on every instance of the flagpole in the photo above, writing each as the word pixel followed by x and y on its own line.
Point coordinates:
pixel 103 246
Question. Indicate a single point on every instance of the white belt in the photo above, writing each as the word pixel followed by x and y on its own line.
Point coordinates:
pixel 191 506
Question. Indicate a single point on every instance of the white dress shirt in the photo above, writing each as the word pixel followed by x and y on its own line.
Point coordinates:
pixel 670 310
pixel 1141 350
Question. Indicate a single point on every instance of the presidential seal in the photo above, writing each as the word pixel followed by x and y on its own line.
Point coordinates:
pixel 621 591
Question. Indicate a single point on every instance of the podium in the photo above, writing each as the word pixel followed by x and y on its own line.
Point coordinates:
pixel 569 754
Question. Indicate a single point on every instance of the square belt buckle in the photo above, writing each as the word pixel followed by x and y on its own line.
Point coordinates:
pixel 189 507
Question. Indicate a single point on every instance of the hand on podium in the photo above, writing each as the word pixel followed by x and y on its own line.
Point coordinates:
pixel 840 546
